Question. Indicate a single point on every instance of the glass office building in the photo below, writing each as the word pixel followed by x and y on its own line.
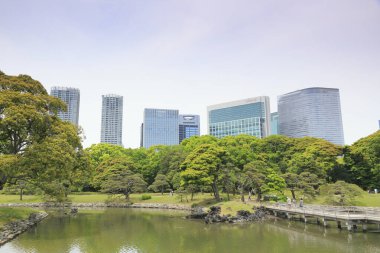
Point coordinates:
pixel 71 97
pixel 160 127
pixel 313 112
pixel 248 116
pixel 274 123
pixel 112 119
pixel 188 126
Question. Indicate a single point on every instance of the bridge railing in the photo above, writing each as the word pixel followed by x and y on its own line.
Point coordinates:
pixel 348 212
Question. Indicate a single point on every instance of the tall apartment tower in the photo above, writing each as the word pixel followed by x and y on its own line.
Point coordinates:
pixel 112 119
pixel 71 97
pixel 188 126
pixel 160 127
pixel 313 112
pixel 248 116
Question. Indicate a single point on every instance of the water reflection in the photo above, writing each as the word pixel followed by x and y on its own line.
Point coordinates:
pixel 127 230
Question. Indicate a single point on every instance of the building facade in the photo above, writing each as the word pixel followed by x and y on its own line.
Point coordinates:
pixel 112 119
pixel 160 127
pixel 274 123
pixel 188 126
pixel 71 97
pixel 313 112
pixel 248 116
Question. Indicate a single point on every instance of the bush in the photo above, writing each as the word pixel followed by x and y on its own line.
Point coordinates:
pixel 145 197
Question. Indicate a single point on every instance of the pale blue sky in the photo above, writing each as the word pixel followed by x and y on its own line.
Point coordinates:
pixel 187 54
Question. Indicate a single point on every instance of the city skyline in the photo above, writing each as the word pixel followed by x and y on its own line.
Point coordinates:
pixel 190 54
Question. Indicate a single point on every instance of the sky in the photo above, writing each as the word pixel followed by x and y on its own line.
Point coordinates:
pixel 188 54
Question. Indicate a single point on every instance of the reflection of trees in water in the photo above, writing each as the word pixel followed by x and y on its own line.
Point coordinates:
pixel 116 230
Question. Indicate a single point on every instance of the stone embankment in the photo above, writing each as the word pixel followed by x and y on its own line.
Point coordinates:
pixel 14 228
pixel 214 215
pixel 101 205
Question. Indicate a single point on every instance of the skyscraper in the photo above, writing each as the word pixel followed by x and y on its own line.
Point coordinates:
pixel 248 116
pixel 160 127
pixel 311 112
pixel 274 123
pixel 112 119
pixel 71 97
pixel 188 126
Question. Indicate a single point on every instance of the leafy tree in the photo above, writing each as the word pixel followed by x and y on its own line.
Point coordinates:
pixel 53 164
pixel 160 184
pixel 262 179
pixel 306 183
pixel 228 178
pixel 123 181
pixel 363 161
pixel 341 193
pixel 101 152
pixel 27 115
pixel 107 167
pixel 202 167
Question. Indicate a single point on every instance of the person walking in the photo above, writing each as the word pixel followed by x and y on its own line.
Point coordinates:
pixel 289 201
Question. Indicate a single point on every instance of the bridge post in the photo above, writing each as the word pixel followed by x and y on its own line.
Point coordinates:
pixel 364 227
pixel 324 222
pixel 304 218
pixel 349 226
pixel 339 223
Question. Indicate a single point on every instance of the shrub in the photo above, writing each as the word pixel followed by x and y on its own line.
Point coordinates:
pixel 145 197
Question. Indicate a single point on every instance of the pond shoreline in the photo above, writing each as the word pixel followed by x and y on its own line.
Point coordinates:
pixel 12 229
pixel 101 205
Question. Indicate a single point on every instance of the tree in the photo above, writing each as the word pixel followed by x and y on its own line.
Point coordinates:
pixel 341 193
pixel 111 165
pixel 54 163
pixel 202 167
pixel 363 161
pixel 27 115
pixel 262 179
pixel 160 184
pixel 123 182
pixel 307 183
pixel 228 178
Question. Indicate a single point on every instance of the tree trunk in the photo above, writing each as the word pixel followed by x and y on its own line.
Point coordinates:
pixel 228 195
pixel 242 195
pixel 192 195
pixel 293 193
pixel 162 190
pixel 21 193
pixel 126 194
pixel 258 195
pixel 216 191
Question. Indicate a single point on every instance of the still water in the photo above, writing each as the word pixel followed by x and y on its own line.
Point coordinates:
pixel 134 230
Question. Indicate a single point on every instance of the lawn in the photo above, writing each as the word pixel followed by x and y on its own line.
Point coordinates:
pixel 205 200
pixel 8 214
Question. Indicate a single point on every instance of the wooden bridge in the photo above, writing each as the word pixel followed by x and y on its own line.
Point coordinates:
pixel 351 216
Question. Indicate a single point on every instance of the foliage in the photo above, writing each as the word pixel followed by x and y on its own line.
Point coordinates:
pixel 202 166
pixel 160 184
pixel 341 193
pixel 36 147
pixel 145 197
pixel 362 160
pixel 123 181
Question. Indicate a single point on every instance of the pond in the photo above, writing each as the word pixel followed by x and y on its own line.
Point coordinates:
pixel 142 230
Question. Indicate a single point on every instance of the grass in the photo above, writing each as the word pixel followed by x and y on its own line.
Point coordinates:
pixel 205 200
pixel 8 214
